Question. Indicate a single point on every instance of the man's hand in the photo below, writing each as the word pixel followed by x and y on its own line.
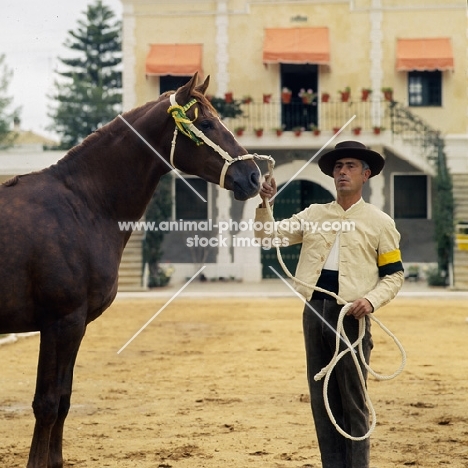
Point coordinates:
pixel 268 190
pixel 360 308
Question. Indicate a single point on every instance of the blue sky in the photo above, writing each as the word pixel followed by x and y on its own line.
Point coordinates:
pixel 32 34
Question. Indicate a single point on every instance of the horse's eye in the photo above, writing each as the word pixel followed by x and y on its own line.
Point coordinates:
pixel 206 125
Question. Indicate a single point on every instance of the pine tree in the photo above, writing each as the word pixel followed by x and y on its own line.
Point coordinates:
pixel 6 117
pixel 89 91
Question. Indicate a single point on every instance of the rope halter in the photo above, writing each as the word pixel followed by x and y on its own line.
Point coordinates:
pixel 186 126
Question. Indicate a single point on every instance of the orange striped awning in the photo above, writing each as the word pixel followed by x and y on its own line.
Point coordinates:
pixel 424 54
pixel 296 45
pixel 174 59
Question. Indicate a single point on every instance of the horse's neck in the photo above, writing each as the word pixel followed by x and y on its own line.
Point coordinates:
pixel 117 176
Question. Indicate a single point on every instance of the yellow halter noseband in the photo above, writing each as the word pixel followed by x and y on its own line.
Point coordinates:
pixel 183 123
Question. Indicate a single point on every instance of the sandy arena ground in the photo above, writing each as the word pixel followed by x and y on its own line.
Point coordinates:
pixel 221 383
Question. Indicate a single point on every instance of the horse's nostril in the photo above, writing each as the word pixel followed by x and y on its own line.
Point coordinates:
pixel 254 178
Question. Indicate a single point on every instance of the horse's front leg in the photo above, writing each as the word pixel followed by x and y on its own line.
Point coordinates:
pixel 59 346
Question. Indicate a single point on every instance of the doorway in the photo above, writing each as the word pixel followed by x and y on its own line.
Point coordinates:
pixel 171 83
pixel 296 113
pixel 297 195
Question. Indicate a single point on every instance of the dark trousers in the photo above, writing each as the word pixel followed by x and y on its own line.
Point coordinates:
pixel 345 393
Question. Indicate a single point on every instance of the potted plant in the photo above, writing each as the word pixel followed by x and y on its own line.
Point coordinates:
pixel 286 94
pixel 345 94
pixel 325 97
pixel 239 131
pixel 307 96
pixel 228 97
pixel 377 129
pixel 266 98
pixel 297 130
pixel 279 130
pixel 258 131
pixel 365 93
pixel 227 109
pixel 247 99
pixel 161 277
pixel 357 130
pixel 314 129
pixel 413 272
pixel 388 93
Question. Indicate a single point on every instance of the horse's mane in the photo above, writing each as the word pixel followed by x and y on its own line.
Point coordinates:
pixel 12 181
pixel 111 126
pixel 203 100
pixel 104 130
pixel 114 127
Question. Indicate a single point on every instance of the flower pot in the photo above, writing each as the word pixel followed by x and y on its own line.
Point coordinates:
pixel 336 129
pixel 279 132
pixel 286 97
pixel 325 97
pixel 356 131
pixel 365 94
pixel 376 130
pixel 266 98
pixel 259 132
pixel 316 132
pixel 239 132
pixel 345 96
pixel 297 132
pixel 228 97
pixel 388 95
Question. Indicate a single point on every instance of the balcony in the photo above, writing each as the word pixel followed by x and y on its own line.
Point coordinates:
pixel 404 131
pixel 326 116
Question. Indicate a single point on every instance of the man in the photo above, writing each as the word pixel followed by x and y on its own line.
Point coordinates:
pixel 360 262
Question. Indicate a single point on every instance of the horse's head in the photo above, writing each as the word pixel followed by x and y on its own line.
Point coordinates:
pixel 202 145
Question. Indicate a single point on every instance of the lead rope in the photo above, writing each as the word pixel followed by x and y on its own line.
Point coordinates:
pixel 340 332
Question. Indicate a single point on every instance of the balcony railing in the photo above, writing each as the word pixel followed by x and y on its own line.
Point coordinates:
pixel 324 115
pixel 332 115
pixel 414 131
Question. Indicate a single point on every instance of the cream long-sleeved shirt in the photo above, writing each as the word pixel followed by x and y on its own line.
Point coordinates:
pixel 369 263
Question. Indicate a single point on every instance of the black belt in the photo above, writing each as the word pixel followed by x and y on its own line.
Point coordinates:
pixel 328 280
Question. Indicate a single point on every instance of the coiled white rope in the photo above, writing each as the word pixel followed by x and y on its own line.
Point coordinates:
pixel 341 334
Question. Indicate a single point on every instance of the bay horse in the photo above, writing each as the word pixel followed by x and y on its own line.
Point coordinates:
pixel 60 243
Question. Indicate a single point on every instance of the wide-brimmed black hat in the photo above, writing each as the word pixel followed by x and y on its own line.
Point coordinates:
pixel 351 149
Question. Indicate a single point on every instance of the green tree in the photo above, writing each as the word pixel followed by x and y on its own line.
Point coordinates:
pixel 89 90
pixel 443 217
pixel 7 116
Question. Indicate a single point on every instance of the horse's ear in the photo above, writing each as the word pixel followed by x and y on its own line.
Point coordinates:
pixel 184 92
pixel 204 86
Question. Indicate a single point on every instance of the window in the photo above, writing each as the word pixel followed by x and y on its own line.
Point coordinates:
pixel 425 88
pixel 171 83
pixel 188 205
pixel 410 196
